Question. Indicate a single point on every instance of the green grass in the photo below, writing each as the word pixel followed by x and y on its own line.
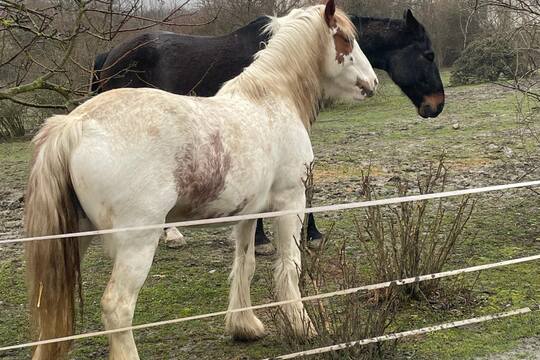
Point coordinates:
pixel 14 160
pixel 490 238
pixel 385 131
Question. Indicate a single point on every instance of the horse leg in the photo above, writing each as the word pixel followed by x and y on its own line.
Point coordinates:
pixel 174 238
pixel 133 254
pixel 314 235
pixel 287 270
pixel 85 241
pixel 263 245
pixel 243 325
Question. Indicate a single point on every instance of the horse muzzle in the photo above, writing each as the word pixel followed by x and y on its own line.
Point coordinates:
pixel 432 105
pixel 367 89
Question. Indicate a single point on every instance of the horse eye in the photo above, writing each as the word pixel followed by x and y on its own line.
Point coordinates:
pixel 430 55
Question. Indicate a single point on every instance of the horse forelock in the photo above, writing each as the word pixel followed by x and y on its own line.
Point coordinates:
pixel 291 65
pixel 345 24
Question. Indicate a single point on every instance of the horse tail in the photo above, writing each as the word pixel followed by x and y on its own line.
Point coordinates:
pixel 97 86
pixel 51 207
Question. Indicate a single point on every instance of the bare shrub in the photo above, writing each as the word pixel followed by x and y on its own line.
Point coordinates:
pixel 341 318
pixel 413 238
pixel 400 241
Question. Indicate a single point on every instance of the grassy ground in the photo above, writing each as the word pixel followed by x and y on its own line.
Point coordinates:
pixel 385 131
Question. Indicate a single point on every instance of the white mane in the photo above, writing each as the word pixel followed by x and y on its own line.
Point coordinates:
pixel 291 64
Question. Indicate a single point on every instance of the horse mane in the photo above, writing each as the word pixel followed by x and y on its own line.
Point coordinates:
pixel 390 22
pixel 291 64
pixel 384 24
pixel 387 34
pixel 277 22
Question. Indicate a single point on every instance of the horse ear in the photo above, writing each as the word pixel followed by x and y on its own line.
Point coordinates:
pixel 411 21
pixel 329 12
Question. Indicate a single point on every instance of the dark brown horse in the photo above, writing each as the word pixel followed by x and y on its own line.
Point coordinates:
pixel 185 64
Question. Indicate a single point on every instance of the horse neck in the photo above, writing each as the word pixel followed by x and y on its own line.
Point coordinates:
pixel 253 32
pixel 295 77
pixel 379 37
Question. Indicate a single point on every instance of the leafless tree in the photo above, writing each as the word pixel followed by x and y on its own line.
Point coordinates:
pixel 237 13
pixel 521 21
pixel 524 19
pixel 47 47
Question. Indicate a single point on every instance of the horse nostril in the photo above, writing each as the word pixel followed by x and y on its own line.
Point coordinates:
pixel 440 108
pixel 366 88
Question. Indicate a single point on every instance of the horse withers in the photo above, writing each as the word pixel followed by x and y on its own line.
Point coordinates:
pixel 185 64
pixel 145 156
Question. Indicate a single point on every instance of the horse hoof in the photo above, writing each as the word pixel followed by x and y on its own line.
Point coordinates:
pixel 265 249
pixel 244 326
pixel 301 328
pixel 305 334
pixel 315 243
pixel 174 239
pixel 315 236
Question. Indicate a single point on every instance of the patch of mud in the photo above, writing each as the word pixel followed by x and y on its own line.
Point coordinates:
pixel 478 92
pixel 527 350
pixel 11 227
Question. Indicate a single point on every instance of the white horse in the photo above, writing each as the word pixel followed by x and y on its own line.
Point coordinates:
pixel 144 156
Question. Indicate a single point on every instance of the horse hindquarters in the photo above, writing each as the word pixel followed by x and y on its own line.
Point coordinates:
pixel 132 253
pixel 114 195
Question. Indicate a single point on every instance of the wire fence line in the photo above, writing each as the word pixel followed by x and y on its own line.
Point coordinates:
pixel 350 291
pixel 403 334
pixel 339 207
pixel 319 209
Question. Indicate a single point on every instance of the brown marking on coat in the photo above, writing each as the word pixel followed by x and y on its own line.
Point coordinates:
pixel 343 44
pixel 239 208
pixel 182 212
pixel 434 100
pixel 200 174
pixel 153 132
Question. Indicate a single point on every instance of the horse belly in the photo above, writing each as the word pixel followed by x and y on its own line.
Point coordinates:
pixel 219 186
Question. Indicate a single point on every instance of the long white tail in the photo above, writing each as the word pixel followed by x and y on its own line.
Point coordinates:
pixel 51 207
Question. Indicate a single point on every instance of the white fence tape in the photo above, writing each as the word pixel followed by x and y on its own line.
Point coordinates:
pixel 278 303
pixel 356 205
pixel 400 335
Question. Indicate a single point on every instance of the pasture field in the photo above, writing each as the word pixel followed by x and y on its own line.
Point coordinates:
pixel 488 147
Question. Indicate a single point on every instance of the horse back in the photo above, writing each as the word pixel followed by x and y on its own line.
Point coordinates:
pixel 238 146
pixel 181 64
